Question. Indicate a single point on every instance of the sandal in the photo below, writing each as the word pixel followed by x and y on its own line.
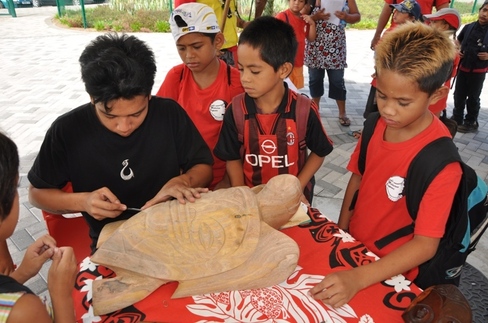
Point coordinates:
pixel 344 121
pixel 356 133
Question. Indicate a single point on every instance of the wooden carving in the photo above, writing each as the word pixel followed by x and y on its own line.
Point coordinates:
pixel 440 303
pixel 223 241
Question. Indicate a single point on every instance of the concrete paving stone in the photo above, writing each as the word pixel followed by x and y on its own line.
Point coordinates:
pixel 331 177
pixel 338 169
pixel 37 229
pixel 26 222
pixel 22 239
pixel 327 186
pixel 37 284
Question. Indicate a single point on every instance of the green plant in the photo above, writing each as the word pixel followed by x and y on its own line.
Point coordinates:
pixel 99 25
pixel 162 26
pixel 153 15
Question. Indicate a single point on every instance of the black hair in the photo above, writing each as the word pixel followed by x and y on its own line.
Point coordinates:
pixel 9 174
pixel 275 40
pixel 117 66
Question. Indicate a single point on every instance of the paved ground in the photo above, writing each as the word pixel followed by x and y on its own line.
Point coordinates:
pixel 40 80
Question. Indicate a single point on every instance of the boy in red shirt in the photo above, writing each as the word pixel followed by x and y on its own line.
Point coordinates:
pixel 408 81
pixel 203 85
pixel 447 20
pixel 304 28
pixel 270 144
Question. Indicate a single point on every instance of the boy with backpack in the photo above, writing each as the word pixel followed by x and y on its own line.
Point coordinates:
pixel 267 130
pixel 472 71
pixel 374 204
pixel 203 85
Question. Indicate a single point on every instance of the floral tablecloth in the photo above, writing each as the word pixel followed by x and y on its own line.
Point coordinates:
pixel 324 248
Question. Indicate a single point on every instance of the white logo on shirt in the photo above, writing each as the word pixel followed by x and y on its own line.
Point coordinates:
pixel 217 109
pixel 125 177
pixel 394 188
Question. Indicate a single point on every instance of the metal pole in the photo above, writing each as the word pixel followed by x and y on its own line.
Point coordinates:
pixel 83 14
pixel 474 6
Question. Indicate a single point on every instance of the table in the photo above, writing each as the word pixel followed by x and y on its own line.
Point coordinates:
pixel 324 248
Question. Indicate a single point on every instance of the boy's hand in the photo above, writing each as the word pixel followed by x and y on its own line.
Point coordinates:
pixel 62 274
pixel 176 188
pixel 304 200
pixel 35 256
pixel 337 289
pixel 308 20
pixel 102 204
pixel 483 56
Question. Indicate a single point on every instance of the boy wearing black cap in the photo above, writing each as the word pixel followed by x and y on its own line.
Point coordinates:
pixel 408 10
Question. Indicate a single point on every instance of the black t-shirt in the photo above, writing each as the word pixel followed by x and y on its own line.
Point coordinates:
pixel 79 149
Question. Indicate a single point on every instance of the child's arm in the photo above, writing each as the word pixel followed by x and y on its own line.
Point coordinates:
pixel 382 21
pixel 345 214
pixel 61 280
pixel 310 167
pixel 312 31
pixel 235 172
pixel 338 288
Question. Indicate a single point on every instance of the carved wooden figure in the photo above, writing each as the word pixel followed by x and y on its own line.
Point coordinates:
pixel 226 240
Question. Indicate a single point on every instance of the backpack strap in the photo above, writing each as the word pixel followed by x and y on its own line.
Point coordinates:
pixel 424 169
pixel 229 81
pixel 369 125
pixel 302 113
pixel 239 112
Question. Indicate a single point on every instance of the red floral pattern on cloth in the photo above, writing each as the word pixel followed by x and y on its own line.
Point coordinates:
pixel 328 50
pixel 324 248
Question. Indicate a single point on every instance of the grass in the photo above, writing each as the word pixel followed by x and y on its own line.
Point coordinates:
pixel 153 15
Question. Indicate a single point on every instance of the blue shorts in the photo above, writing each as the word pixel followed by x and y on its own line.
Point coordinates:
pixel 337 87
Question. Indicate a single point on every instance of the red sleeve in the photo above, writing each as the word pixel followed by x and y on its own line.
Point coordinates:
pixel 171 84
pixel 178 2
pixel 281 16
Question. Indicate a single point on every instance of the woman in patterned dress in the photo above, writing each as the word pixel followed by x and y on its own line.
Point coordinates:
pixel 328 53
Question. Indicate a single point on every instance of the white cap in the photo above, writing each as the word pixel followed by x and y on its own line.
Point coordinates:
pixel 193 18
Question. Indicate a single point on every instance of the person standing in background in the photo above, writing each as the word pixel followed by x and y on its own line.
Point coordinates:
pixel 328 53
pixel 472 71
pixel 304 28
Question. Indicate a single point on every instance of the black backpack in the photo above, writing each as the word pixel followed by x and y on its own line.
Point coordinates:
pixel 468 216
